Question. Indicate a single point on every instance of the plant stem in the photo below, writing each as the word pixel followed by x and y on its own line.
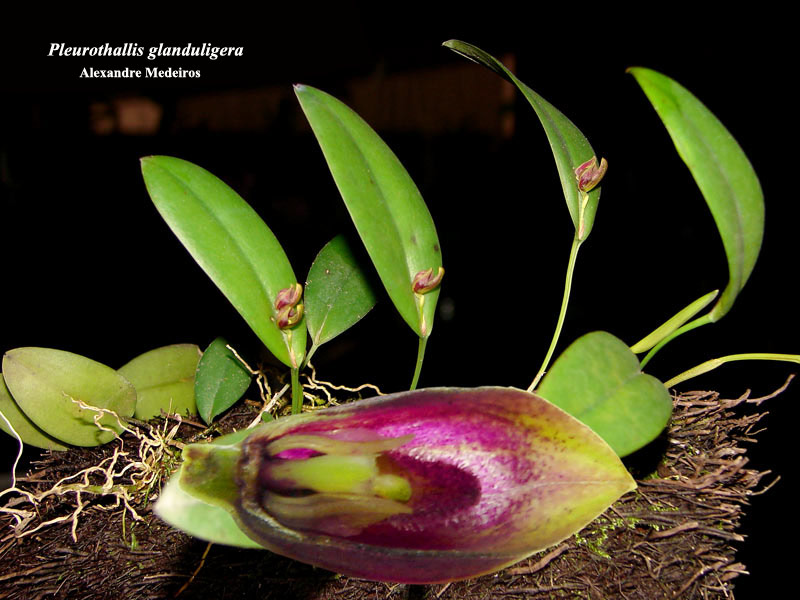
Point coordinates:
pixel 704 320
pixel 712 364
pixel 297 392
pixel 573 256
pixel 309 354
pixel 673 324
pixel 423 340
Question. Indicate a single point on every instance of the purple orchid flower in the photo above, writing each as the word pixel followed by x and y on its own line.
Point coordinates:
pixel 417 487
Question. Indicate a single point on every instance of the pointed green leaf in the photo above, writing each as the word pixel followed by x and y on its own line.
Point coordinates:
pixel 47 384
pixel 30 434
pixel 164 380
pixel 384 203
pixel 221 380
pixel 722 172
pixel 570 147
pixel 337 293
pixel 598 381
pixel 231 243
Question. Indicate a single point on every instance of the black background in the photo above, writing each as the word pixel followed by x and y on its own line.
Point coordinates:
pixel 88 266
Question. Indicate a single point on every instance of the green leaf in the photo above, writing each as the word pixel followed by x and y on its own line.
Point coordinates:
pixel 598 381
pixel 722 172
pixel 570 147
pixel 164 379
pixel 221 380
pixel 231 243
pixel 337 293
pixel 47 384
pixel 30 434
pixel 384 203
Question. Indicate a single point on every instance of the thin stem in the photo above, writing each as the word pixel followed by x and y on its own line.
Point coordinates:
pixel 647 342
pixel 573 256
pixel 712 364
pixel 420 356
pixel 297 392
pixel 704 320
pixel 309 354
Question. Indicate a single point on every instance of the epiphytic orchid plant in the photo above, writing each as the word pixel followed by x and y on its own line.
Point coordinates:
pixel 420 486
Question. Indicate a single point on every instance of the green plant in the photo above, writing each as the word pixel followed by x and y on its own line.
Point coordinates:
pixel 378 493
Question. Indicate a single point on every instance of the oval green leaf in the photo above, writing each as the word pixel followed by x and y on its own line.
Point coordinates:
pixel 220 381
pixel 570 147
pixel 47 384
pixel 28 432
pixel 338 294
pixel 164 380
pixel 598 381
pixel 231 243
pixel 386 207
pixel 722 172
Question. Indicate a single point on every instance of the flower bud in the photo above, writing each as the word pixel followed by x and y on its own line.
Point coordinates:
pixel 425 281
pixel 289 316
pixel 589 174
pixel 289 296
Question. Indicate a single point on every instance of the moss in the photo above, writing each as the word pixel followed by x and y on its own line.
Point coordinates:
pixel 594 536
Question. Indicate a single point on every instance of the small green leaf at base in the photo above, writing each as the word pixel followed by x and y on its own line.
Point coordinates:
pixel 337 293
pixel 26 429
pixel 598 381
pixel 164 380
pixel 220 381
pixel 48 385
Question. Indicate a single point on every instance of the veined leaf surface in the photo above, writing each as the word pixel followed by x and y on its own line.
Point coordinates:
pixel 337 293
pixel 231 243
pixel 570 147
pixel 26 429
pixel 48 385
pixel 386 207
pixel 220 381
pixel 722 172
pixel 164 380
pixel 598 381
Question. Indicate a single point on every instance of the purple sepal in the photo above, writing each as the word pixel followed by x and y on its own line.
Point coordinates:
pixel 496 475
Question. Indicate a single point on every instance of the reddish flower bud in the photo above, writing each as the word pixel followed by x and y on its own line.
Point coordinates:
pixel 589 174
pixel 289 296
pixel 289 316
pixel 425 281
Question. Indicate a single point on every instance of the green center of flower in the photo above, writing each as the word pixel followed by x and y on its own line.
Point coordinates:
pixel 350 486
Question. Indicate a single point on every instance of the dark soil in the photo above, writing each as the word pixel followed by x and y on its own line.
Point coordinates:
pixel 676 536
